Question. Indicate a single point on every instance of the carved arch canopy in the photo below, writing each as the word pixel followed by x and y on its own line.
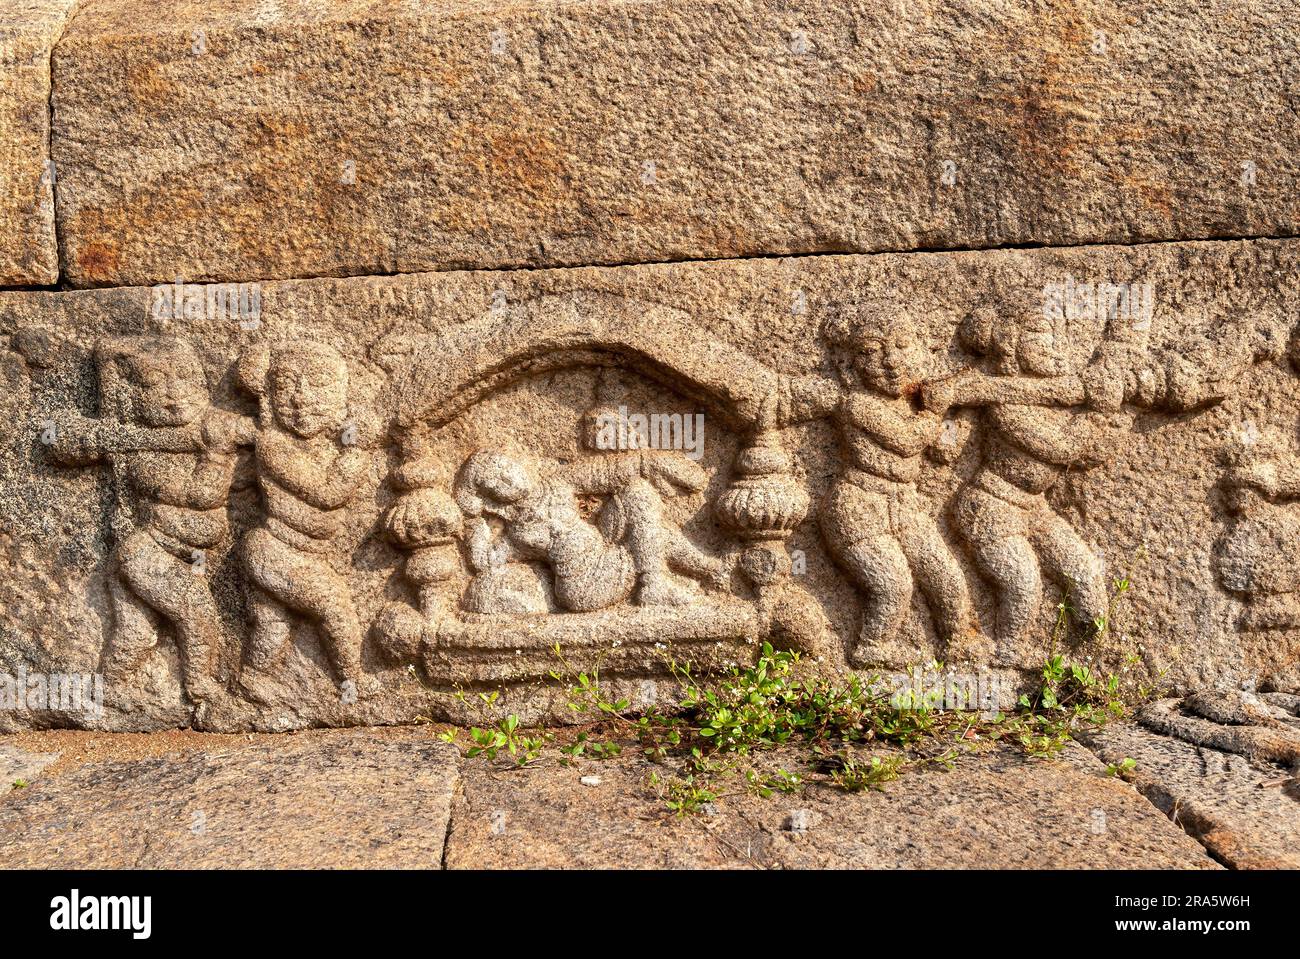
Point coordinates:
pixel 452 370
pixel 700 605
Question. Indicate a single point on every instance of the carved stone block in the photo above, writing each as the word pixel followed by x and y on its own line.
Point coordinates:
pixel 330 502
pixel 29 30
pixel 255 140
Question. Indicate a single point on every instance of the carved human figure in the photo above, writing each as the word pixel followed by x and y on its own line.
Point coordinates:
pixel 878 527
pixel 627 553
pixel 173 457
pixel 1257 555
pixel 1029 443
pixel 310 465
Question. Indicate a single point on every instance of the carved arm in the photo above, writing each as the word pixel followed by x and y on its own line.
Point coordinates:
pixel 325 486
pixel 1054 440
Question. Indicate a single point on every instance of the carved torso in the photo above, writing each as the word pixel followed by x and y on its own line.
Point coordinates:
pixel 886 437
pixel 1030 446
pixel 180 496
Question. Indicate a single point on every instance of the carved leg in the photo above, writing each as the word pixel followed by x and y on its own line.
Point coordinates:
pixel 270 632
pixel 1011 565
pixel 941 581
pixel 648 542
pixel 997 533
pixel 342 635
pixel 683 555
pixel 1069 559
pixel 879 569
pixel 304 583
pixel 171 587
pixel 133 636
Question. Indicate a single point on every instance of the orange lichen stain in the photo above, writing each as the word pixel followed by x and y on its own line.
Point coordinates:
pixel 128 233
pixel 146 84
pixel 498 167
pixel 864 84
pixel 1053 116
pixel 1156 196
pixel 98 261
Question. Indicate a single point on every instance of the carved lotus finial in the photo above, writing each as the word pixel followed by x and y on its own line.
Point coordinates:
pixel 423 517
pixel 764 501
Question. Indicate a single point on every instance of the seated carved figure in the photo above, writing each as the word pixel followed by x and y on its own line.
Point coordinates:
pixel 627 553
pixel 309 469
pixel 173 457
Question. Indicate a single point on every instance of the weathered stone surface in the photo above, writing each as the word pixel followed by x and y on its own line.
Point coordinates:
pixel 993 811
pixel 20 766
pixel 244 140
pixel 28 32
pixel 1246 811
pixel 335 502
pixel 341 800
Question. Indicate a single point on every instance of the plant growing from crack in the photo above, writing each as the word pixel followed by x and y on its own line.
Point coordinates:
pixel 711 744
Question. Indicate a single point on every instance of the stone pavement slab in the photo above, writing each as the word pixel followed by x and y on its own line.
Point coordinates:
pixel 339 800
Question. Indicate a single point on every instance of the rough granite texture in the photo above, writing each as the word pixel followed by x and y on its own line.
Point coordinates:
pixel 242 140
pixel 384 798
pixel 339 507
pixel 20 765
pixel 344 801
pixel 1245 811
pixel 28 248
pixel 993 811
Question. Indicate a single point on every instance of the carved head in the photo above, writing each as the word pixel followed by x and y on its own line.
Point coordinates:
pixel 889 358
pixel 1036 347
pixel 489 481
pixel 1011 347
pixel 165 382
pixel 307 384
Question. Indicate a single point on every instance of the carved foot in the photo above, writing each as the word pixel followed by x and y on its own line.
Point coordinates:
pixel 359 687
pixel 717 573
pixel 257 687
pixel 663 590
pixel 970 645
pixel 1018 655
pixel 868 654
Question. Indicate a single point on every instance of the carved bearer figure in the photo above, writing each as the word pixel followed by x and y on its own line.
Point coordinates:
pixel 173 457
pixel 1030 442
pixel 1257 556
pixel 1042 420
pixel 876 524
pixel 309 469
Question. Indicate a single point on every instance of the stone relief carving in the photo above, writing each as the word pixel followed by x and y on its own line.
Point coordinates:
pixel 1032 437
pixel 506 548
pixel 310 462
pixel 625 554
pixel 1256 555
pixel 875 523
pixel 512 552
pixel 172 458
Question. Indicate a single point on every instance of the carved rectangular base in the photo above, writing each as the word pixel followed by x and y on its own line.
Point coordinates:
pixel 638 641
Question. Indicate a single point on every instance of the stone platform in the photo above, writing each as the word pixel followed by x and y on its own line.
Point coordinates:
pixel 402 799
